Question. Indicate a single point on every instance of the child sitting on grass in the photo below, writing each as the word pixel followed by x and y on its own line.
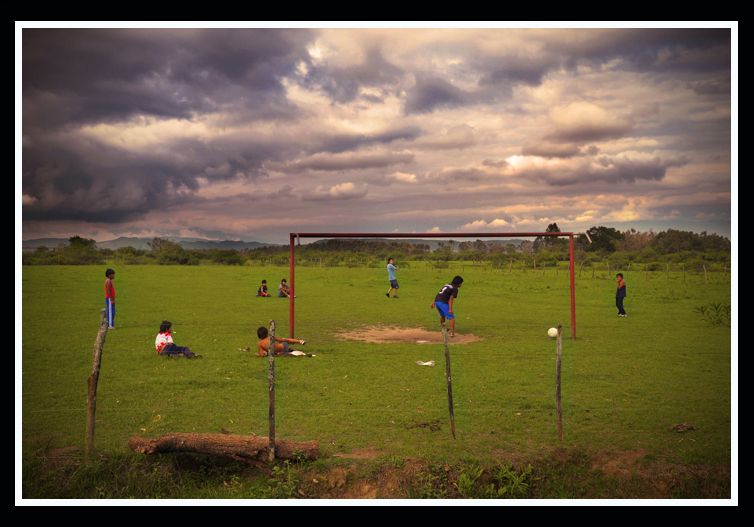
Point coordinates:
pixel 164 344
pixel 281 345
pixel 284 291
pixel 262 291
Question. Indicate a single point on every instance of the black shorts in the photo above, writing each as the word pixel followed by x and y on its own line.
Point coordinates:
pixel 394 284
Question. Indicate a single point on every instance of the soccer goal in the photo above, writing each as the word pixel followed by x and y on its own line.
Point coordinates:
pixel 295 238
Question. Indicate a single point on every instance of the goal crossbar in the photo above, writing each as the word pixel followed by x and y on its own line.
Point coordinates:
pixel 296 237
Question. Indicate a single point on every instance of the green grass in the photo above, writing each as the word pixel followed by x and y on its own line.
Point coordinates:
pixel 625 381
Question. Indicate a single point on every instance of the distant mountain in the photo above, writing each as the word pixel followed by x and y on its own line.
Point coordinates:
pixel 143 243
pixel 199 243
pixel 50 243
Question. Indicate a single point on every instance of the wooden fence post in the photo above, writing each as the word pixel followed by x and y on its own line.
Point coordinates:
pixel 559 408
pixel 91 396
pixel 449 382
pixel 705 273
pixel 271 388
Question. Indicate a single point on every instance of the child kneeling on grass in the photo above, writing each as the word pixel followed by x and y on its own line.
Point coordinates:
pixel 281 345
pixel 164 344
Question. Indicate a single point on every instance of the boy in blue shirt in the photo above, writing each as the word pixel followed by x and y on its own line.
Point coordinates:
pixel 391 268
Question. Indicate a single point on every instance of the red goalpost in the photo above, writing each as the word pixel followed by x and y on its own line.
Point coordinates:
pixel 296 237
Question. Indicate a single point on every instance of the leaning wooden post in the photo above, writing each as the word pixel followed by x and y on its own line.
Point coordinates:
pixel 449 381
pixel 91 396
pixel 705 273
pixel 271 387
pixel 559 409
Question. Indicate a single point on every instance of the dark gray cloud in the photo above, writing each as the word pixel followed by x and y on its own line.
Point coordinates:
pixel 76 178
pixel 340 162
pixel 551 150
pixel 343 84
pixel 431 93
pixel 654 51
pixel 605 169
pixel 591 132
pixel 649 50
pixel 515 69
pixel 344 142
pixel 92 75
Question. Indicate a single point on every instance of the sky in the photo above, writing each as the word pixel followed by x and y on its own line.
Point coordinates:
pixel 252 133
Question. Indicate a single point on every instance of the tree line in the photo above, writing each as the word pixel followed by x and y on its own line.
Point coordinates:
pixel 670 246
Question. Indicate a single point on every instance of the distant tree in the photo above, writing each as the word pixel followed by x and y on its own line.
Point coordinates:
pixel 81 243
pixel 80 251
pixel 634 240
pixel 603 239
pixel 526 247
pixel 674 241
pixel 169 252
pixel 550 242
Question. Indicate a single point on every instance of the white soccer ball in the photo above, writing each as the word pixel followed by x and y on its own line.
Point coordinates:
pixel 552 332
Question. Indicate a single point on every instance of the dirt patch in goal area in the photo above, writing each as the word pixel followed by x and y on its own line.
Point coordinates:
pixel 395 334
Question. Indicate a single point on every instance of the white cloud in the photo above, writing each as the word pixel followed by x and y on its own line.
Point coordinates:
pixel 402 177
pixel 497 223
pixel 341 191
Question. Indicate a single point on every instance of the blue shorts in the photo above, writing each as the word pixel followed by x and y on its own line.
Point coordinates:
pixel 394 284
pixel 444 310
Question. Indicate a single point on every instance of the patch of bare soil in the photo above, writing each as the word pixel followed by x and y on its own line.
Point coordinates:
pixel 396 334
pixel 60 457
pixel 621 463
pixel 360 453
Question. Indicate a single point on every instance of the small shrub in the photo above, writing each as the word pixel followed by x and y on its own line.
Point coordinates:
pixel 717 313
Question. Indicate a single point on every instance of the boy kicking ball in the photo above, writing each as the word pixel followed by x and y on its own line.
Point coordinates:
pixel 282 345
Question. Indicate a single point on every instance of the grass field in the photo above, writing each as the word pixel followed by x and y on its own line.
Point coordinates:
pixel 626 382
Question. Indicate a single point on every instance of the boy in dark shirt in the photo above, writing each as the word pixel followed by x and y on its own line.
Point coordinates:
pixel 620 294
pixel 444 303
pixel 262 291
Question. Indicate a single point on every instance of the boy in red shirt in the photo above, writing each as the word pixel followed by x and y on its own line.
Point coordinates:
pixel 110 298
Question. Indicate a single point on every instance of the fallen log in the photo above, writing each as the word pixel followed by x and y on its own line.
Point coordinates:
pixel 238 447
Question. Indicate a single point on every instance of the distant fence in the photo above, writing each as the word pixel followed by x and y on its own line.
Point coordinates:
pixel 708 271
